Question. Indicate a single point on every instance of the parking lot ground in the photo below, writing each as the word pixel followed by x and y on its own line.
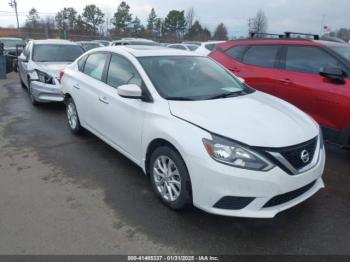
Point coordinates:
pixel 63 194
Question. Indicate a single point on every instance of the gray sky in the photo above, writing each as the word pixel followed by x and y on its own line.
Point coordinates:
pixel 283 15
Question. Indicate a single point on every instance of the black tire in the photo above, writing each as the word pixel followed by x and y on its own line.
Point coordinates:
pixel 75 128
pixel 22 83
pixel 185 197
pixel 31 96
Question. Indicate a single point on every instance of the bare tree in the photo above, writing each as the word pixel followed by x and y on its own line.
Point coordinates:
pixel 258 24
pixel 220 32
pixel 190 18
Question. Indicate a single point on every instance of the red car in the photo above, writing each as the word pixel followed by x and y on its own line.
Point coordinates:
pixel 312 75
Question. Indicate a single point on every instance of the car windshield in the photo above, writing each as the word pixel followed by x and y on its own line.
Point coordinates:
pixel 89 46
pixel 12 42
pixel 56 53
pixel 343 51
pixel 192 47
pixel 191 78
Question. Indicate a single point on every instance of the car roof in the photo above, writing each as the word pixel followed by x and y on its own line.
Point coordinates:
pixel 133 40
pixel 148 51
pixel 332 43
pixel 277 41
pixel 87 42
pixel 213 42
pixel 11 38
pixel 191 45
pixel 272 41
pixel 54 42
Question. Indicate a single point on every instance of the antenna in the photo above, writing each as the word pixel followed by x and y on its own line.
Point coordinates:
pixel 13 4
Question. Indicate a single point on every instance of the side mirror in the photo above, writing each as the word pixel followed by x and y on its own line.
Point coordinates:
pixel 130 91
pixel 242 80
pixel 334 74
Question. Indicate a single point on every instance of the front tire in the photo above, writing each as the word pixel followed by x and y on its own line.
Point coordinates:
pixel 169 178
pixel 72 116
pixel 23 85
pixel 21 81
pixel 31 95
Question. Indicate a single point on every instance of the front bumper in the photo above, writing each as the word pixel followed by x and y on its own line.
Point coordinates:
pixel 47 93
pixel 212 181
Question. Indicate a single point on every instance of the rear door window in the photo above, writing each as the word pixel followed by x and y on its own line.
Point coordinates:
pixel 263 55
pixel 210 46
pixel 309 59
pixel 81 63
pixel 122 72
pixel 94 65
pixel 236 52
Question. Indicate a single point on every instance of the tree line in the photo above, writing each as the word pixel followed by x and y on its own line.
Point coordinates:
pixel 175 26
pixel 342 33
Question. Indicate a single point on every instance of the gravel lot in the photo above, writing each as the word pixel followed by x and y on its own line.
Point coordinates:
pixel 62 194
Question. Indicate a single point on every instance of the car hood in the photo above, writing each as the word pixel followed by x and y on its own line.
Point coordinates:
pixel 257 119
pixel 52 68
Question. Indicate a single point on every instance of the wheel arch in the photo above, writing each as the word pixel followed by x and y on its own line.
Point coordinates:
pixel 153 145
pixel 66 97
pixel 158 142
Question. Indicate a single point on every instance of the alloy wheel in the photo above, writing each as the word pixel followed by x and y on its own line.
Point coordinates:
pixel 72 116
pixel 167 178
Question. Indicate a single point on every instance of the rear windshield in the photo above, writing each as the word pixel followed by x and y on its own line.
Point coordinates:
pixel 192 47
pixel 343 51
pixel 143 43
pixel 12 43
pixel 56 53
pixel 89 46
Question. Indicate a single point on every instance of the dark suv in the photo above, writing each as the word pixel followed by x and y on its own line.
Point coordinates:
pixel 12 48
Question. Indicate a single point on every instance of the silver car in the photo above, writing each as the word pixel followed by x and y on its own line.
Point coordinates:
pixel 39 67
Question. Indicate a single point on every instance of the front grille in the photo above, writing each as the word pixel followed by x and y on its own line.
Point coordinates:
pixel 284 198
pixel 301 155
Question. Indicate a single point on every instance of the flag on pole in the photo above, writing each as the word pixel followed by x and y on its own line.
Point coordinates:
pixel 327 29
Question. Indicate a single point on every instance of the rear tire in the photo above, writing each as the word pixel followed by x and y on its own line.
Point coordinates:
pixel 72 116
pixel 169 178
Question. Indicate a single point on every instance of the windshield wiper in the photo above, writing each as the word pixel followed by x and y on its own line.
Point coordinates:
pixel 226 95
pixel 180 98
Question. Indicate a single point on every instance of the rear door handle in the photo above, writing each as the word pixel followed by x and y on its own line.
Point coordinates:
pixel 103 99
pixel 76 86
pixel 234 69
pixel 286 81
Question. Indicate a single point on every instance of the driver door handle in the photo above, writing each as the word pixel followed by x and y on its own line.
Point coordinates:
pixel 103 99
pixel 234 69
pixel 286 81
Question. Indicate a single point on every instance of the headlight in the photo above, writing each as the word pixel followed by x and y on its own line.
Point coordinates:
pixel 231 153
pixel 44 77
pixel 321 139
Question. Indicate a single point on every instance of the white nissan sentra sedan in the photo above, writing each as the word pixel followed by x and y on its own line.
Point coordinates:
pixel 201 135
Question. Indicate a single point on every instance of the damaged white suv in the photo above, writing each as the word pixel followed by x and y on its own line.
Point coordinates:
pixel 201 135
